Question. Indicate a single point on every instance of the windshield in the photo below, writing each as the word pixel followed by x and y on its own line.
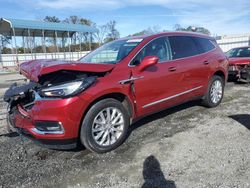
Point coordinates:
pixel 111 53
pixel 239 52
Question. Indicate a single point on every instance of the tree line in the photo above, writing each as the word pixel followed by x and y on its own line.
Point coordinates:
pixel 107 32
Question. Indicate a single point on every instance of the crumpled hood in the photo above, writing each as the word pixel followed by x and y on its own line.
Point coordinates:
pixel 36 68
pixel 239 61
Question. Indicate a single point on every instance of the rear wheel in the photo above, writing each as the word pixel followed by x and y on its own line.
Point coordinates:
pixel 215 92
pixel 105 126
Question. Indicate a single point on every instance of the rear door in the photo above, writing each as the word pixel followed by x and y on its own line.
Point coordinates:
pixel 208 59
pixel 193 62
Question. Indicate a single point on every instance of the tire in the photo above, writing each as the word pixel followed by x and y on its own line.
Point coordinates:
pixel 208 100
pixel 109 128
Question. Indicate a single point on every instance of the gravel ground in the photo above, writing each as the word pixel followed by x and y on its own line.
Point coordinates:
pixel 186 146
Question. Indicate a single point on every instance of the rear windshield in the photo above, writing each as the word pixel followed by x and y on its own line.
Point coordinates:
pixel 239 52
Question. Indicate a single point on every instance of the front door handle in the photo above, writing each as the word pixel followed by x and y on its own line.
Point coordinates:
pixel 206 62
pixel 172 69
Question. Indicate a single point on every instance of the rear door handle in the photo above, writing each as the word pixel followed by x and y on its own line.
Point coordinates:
pixel 206 62
pixel 172 69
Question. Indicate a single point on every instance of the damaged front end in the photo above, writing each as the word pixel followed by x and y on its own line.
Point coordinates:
pixel 245 73
pixel 60 84
pixel 17 96
pixel 240 72
pixel 41 109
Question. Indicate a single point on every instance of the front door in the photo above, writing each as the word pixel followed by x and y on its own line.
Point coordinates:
pixel 158 86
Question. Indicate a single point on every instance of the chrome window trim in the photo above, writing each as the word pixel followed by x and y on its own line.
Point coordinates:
pixel 215 47
pixel 171 97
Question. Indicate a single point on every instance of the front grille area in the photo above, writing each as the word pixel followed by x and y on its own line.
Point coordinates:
pixel 28 101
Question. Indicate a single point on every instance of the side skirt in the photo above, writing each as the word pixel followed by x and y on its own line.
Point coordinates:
pixel 162 109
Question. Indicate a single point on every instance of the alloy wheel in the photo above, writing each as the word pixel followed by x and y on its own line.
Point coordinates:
pixel 216 91
pixel 108 126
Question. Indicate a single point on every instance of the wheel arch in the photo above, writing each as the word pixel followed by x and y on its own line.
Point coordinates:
pixel 123 98
pixel 221 74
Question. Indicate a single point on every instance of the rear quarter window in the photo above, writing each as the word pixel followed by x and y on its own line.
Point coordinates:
pixel 205 44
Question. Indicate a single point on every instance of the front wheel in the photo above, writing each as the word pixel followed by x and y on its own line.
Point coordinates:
pixel 105 126
pixel 215 92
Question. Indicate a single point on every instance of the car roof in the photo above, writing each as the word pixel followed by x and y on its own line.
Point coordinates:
pixel 175 33
pixel 241 47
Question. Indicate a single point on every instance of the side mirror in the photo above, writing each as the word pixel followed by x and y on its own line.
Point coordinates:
pixel 147 62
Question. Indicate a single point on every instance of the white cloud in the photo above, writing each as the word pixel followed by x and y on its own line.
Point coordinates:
pixel 114 4
pixel 220 16
pixel 80 4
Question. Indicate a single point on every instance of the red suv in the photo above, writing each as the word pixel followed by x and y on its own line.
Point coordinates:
pixel 95 99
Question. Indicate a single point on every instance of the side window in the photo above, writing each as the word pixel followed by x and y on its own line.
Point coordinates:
pixel 183 46
pixel 159 47
pixel 205 44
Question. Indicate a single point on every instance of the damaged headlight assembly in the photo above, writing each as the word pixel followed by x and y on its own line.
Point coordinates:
pixel 67 89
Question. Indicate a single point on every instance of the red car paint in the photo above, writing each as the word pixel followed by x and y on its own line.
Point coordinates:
pixel 34 69
pixel 239 61
pixel 160 81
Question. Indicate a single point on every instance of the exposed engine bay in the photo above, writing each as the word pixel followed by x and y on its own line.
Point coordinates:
pixel 49 85
pixel 243 72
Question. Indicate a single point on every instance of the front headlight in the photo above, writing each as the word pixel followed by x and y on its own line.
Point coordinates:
pixel 67 89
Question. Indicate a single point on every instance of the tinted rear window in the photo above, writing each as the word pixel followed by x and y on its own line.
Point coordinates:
pixel 183 46
pixel 205 44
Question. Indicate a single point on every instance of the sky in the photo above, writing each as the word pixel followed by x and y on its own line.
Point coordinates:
pixel 220 17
